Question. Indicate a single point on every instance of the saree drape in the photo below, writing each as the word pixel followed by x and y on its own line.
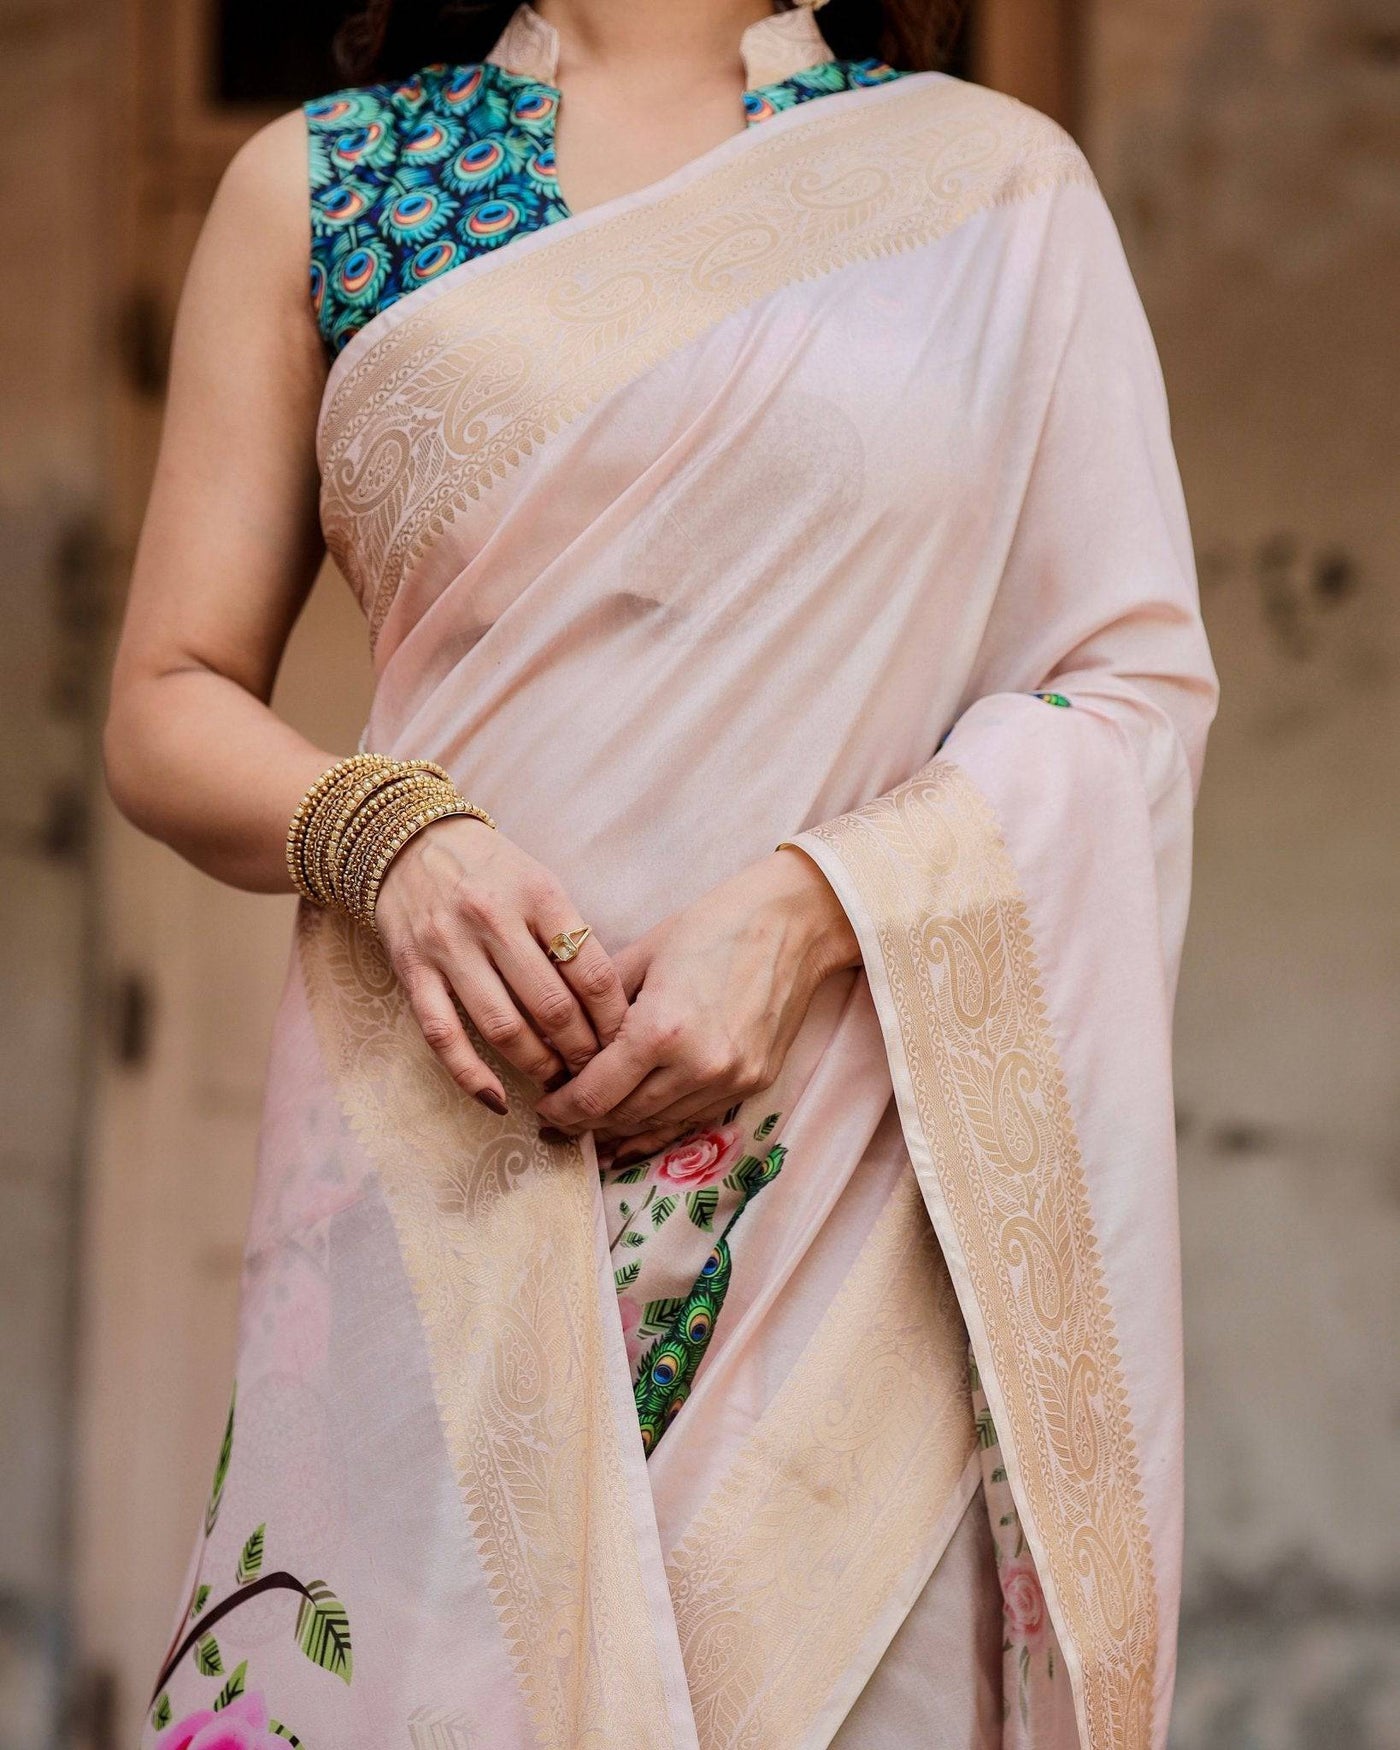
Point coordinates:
pixel 822 493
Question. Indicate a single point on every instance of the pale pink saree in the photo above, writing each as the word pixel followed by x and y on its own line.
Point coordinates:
pixel 758 506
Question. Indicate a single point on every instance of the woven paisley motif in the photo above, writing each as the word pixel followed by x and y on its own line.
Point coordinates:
pixel 990 1100
pixel 475 379
pixel 496 1234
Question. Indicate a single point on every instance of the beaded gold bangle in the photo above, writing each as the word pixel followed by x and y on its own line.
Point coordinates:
pixel 367 795
pixel 311 807
pixel 409 829
pixel 359 863
pixel 356 818
pixel 372 820
pixel 407 802
pixel 338 803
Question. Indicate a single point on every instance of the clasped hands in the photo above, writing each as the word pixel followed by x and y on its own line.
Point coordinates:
pixel 638 1047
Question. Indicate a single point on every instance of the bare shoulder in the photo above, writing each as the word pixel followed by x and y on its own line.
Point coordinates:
pixel 256 238
pixel 262 202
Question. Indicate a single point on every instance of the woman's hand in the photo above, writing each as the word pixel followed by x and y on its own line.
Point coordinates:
pixel 466 914
pixel 720 992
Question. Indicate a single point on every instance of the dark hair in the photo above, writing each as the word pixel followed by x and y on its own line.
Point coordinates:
pixel 388 39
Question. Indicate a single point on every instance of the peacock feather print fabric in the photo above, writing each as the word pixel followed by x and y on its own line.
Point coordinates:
pixel 412 177
pixel 671 1218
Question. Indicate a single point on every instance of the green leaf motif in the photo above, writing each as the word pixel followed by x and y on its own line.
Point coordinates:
pixel 235 1686
pixel 250 1559
pixel 659 1315
pixel 160 1713
pixel 702 1206
pixel 630 1175
pixel 738 1176
pixel 201 1598
pixel 662 1208
pixel 752 1173
pixel 278 1730
pixel 216 1492
pixel 766 1128
pixel 628 1274
pixel 206 1658
pixel 323 1630
pixel 633 1238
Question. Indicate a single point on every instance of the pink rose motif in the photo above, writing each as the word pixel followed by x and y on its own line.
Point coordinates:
pixel 242 1725
pixel 183 1733
pixel 700 1160
pixel 1024 1604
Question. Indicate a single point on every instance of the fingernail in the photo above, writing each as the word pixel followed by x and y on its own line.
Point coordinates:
pixel 489 1097
pixel 549 1134
pixel 557 1081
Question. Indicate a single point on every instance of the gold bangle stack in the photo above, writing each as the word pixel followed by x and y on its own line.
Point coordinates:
pixel 357 817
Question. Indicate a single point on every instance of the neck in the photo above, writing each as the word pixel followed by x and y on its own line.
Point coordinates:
pixel 594 34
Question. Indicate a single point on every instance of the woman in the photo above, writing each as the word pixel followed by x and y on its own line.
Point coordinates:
pixel 790 699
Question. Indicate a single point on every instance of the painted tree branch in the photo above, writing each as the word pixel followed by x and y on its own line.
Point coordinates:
pixel 279 1582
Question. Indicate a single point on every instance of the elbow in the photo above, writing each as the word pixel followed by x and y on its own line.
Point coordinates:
pixel 116 766
pixel 123 767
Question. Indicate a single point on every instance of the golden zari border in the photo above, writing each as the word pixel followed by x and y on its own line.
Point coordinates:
pixel 497 1235
pixel 935 897
pixel 838 1505
pixel 483 368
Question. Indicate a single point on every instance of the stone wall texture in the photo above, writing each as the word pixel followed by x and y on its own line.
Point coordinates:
pixel 1251 152
pixel 51 558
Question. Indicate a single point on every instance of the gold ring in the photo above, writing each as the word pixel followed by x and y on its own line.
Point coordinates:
pixel 567 943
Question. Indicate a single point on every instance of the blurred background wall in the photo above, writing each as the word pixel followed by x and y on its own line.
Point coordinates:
pixel 1251 152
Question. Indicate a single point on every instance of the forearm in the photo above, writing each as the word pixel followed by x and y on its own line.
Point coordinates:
pixel 198 761
pixel 800 887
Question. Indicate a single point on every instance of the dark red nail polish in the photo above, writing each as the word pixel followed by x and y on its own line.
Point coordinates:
pixel 549 1134
pixel 489 1097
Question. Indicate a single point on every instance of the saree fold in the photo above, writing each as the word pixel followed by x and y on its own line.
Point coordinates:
pixel 757 507
pixel 1028 887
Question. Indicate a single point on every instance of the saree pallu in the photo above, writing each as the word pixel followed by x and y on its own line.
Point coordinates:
pixel 823 494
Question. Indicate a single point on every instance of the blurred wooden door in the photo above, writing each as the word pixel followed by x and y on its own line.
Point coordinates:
pixel 193 969
pixel 1031 49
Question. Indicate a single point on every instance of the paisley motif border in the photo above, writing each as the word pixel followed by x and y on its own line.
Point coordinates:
pixel 484 366
pixel 855 1469
pixel 497 1235
pixel 852 1474
pixel 933 895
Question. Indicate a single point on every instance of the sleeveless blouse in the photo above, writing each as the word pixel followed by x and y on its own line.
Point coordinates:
pixel 412 177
